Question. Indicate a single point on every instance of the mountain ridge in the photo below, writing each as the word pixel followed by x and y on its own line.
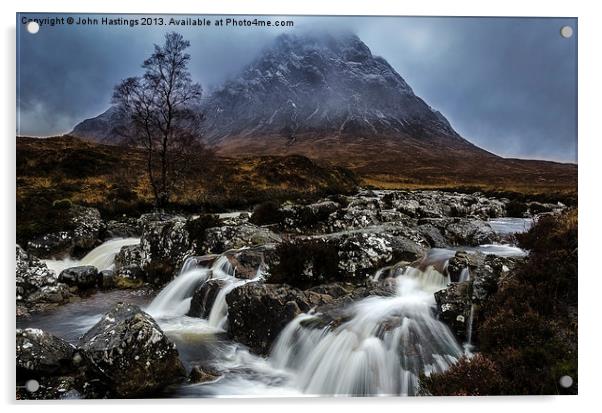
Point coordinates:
pixel 327 97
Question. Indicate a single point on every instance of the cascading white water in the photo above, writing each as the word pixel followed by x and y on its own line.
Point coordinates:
pixel 468 347
pixel 101 257
pixel 174 300
pixel 381 349
pixel 464 275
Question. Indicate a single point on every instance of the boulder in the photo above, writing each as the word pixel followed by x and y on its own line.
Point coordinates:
pixel 469 232
pixel 247 262
pixel 36 285
pixel 132 354
pixel 204 297
pixel 83 277
pixel 85 227
pixel 488 275
pixel 433 235
pixel 128 255
pixel 164 245
pixel 457 264
pixel 107 279
pixel 257 313
pixel 128 267
pixel 459 231
pixel 454 306
pixel 128 228
pixel 220 239
pixel 41 354
pixel 363 252
pixel 203 374
pixel 438 204
pixel 305 218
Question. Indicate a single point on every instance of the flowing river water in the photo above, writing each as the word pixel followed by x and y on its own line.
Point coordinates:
pixel 381 347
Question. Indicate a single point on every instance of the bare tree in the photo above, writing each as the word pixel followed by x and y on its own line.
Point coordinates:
pixel 161 113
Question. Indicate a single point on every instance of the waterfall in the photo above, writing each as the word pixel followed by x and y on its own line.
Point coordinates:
pixel 468 347
pixel 218 316
pixel 101 257
pixel 382 348
pixel 174 300
pixel 464 275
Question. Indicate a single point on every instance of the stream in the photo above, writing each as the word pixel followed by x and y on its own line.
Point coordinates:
pixel 381 347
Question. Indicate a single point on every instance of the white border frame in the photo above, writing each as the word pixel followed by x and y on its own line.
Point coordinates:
pixel 589 155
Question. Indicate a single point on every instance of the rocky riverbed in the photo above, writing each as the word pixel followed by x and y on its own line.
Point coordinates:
pixel 174 306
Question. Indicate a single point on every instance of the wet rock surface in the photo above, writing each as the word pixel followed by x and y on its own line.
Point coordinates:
pixel 223 238
pixel 50 368
pixel 204 298
pixel 456 302
pixel 330 249
pixel 164 245
pixel 131 353
pixel 258 312
pixel 83 277
pixel 85 227
pixel 37 286
pixel 40 354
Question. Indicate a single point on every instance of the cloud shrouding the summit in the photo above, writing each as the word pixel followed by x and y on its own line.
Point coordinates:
pixel 508 85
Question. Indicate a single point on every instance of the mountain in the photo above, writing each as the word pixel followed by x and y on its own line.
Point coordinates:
pixel 329 98
pixel 319 84
pixel 100 128
pixel 328 85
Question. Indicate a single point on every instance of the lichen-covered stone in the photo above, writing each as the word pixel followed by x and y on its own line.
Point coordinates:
pixel 36 285
pixel 164 245
pixel 87 226
pixel 220 239
pixel 41 354
pixel 131 352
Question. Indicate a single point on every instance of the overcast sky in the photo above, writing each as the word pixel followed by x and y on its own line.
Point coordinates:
pixel 508 85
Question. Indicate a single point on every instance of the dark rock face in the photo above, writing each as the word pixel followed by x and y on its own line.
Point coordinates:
pixel 164 245
pixel 107 279
pixel 204 297
pixel 458 231
pixel 488 276
pixel 87 227
pixel 220 239
pixel 122 229
pixel 83 277
pixel 202 374
pixel 100 128
pixel 132 354
pixel 258 312
pixel 454 306
pixel 37 286
pixel 40 354
pixel 248 261
pixel 456 302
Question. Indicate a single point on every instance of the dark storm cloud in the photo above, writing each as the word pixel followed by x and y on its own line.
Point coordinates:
pixel 507 85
